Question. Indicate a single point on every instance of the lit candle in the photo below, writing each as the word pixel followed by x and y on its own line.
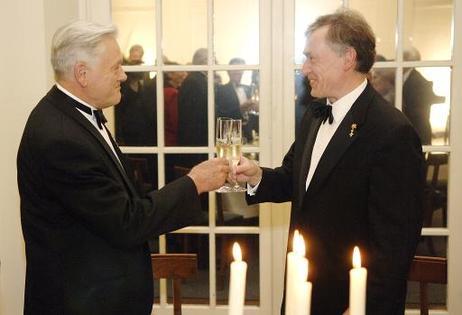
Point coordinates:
pixel 298 291
pixel 358 277
pixel 237 282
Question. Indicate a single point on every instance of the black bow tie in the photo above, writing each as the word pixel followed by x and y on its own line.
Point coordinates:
pixel 322 111
pixel 100 119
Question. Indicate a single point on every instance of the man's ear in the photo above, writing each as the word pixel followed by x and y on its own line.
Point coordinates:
pixel 80 73
pixel 350 58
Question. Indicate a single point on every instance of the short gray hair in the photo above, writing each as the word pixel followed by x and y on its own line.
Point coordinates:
pixel 200 57
pixel 348 28
pixel 77 41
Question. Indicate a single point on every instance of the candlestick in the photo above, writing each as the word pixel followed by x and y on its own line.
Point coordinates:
pixel 358 278
pixel 237 282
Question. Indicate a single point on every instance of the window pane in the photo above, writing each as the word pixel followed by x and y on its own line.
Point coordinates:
pixel 144 167
pixel 426 97
pixel 432 246
pixel 381 16
pixel 427 28
pixel 436 191
pixel 135 116
pixel 172 83
pixel 184 24
pixel 232 208
pixel 306 12
pixel 302 98
pixel 192 110
pixel 249 244
pixel 194 290
pixel 383 81
pixel 135 20
pixel 177 165
pixel 236 30
pixel 237 97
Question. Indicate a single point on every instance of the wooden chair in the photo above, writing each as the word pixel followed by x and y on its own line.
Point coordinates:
pixel 176 267
pixel 427 269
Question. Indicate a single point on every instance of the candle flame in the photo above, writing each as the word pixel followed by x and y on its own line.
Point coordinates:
pixel 295 240
pixel 237 254
pixel 356 257
pixel 299 245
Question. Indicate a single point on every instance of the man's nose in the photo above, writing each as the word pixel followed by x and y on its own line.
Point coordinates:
pixel 123 75
pixel 306 68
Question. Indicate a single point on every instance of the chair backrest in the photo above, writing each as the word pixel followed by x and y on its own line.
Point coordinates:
pixel 175 267
pixel 427 269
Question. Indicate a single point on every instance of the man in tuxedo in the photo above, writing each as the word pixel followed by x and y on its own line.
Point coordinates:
pixel 85 227
pixel 354 174
pixel 233 99
pixel 192 105
pixel 418 97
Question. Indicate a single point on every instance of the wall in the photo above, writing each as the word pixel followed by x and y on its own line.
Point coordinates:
pixel 21 85
pixel 25 27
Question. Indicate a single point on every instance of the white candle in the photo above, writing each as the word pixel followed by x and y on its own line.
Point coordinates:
pixel 298 290
pixel 358 277
pixel 291 276
pixel 303 294
pixel 237 282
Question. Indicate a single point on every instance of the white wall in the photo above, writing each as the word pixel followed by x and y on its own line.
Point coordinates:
pixel 21 84
pixel 25 34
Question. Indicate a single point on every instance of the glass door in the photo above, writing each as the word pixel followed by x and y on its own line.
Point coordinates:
pixel 189 62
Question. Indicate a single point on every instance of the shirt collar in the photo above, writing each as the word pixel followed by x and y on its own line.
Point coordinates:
pixel 341 106
pixel 62 89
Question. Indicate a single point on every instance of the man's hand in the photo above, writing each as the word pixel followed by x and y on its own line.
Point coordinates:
pixel 210 175
pixel 247 171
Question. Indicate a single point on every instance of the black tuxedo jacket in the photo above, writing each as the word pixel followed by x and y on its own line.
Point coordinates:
pixel 366 191
pixel 227 105
pixel 418 98
pixel 227 102
pixel 192 110
pixel 85 227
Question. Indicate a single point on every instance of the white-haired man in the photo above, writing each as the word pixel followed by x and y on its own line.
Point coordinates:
pixel 85 227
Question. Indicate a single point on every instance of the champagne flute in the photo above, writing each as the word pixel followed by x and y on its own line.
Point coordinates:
pixel 235 150
pixel 222 144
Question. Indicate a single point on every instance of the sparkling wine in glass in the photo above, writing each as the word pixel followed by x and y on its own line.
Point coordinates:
pixel 235 150
pixel 222 144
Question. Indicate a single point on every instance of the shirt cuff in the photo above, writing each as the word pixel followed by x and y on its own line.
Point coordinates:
pixel 252 190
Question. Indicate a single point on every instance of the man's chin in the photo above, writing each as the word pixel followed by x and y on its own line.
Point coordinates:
pixel 315 93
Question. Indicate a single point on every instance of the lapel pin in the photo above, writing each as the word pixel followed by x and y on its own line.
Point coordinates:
pixel 353 129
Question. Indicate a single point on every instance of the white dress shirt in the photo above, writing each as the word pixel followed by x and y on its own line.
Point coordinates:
pixel 91 118
pixel 241 95
pixel 326 131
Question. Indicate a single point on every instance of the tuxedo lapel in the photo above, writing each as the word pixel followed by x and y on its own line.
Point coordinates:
pixel 347 133
pixel 65 104
pixel 123 167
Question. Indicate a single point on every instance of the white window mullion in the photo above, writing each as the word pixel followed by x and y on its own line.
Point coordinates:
pixel 455 170
pixel 211 143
